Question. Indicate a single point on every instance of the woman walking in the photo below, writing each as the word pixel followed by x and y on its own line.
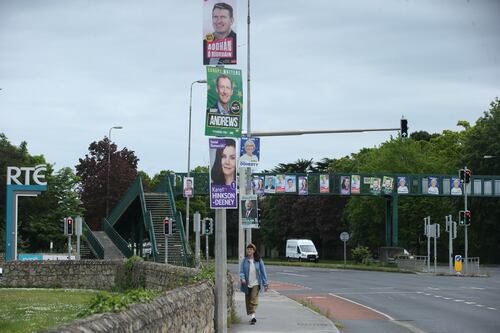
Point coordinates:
pixel 253 278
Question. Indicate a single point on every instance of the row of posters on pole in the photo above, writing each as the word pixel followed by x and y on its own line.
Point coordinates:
pixel 349 184
pixel 224 113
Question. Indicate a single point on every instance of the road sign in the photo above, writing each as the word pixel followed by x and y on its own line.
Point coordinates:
pixel 344 236
pixel 458 263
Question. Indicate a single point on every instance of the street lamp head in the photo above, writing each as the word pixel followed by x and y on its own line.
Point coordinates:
pixel 201 81
pixel 117 127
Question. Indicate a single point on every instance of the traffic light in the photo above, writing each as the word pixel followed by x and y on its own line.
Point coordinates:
pixel 404 128
pixel 69 226
pixel 259 216
pixel 464 217
pixel 208 224
pixel 468 174
pixel 465 175
pixel 167 226
pixel 467 217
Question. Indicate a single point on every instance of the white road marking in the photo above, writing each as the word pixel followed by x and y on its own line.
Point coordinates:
pixel 479 305
pixel 293 274
pixel 404 324
pixel 367 307
pixel 446 297
pixel 438 296
pixel 470 303
pixel 459 300
pixel 490 308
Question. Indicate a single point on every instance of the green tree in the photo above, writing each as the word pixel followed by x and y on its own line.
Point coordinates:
pixel 42 216
pixel 484 139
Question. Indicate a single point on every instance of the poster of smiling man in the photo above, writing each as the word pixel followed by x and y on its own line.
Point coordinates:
pixel 223 159
pixel 219 32
pixel 224 102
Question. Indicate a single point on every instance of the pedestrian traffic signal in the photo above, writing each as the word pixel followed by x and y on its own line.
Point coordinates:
pixel 404 128
pixel 259 216
pixel 468 174
pixel 461 174
pixel 69 226
pixel 464 217
pixel 167 226
pixel 467 216
pixel 208 225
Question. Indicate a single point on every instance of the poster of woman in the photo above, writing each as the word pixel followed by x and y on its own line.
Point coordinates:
pixel 280 183
pixel 433 187
pixel 402 185
pixel 345 185
pixel 356 184
pixel 324 183
pixel 223 158
pixel 456 186
pixel 303 185
pixel 258 184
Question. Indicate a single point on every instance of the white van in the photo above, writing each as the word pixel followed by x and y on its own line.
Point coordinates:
pixel 301 250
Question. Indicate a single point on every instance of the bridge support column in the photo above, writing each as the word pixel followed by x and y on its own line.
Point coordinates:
pixel 391 221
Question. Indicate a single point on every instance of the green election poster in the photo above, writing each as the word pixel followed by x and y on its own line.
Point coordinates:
pixel 224 102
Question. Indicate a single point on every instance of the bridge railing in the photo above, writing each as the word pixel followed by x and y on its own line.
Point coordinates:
pixel 412 263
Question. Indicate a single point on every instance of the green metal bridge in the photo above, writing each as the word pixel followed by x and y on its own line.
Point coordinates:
pixel 417 185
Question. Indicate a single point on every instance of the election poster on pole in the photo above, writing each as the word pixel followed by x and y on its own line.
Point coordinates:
pixel 223 159
pixel 219 32
pixel 224 102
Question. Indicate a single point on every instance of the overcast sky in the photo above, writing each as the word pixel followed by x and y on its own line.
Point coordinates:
pixel 70 70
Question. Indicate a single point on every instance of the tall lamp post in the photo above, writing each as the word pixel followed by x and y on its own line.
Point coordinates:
pixel 109 167
pixel 189 152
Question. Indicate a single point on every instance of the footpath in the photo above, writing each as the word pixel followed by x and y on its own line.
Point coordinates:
pixel 278 313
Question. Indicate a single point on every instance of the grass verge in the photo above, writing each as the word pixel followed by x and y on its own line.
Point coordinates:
pixel 381 267
pixel 31 310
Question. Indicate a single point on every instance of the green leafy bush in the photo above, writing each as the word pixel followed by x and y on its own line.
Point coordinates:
pixel 206 273
pixel 361 254
pixel 107 302
pixel 124 280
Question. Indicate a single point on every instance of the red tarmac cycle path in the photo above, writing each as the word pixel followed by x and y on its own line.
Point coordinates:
pixel 336 307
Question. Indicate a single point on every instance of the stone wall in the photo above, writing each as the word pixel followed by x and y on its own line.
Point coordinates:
pixel 84 274
pixel 186 309
pixel 181 309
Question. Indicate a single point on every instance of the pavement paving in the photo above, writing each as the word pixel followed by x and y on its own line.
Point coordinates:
pixel 278 313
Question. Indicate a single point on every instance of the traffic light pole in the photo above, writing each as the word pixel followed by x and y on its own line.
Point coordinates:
pixel 196 226
pixel 206 248
pixel 220 271
pixel 466 236
pixel 166 249
pixel 69 247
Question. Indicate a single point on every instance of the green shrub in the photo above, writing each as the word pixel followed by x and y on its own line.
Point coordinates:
pixel 206 273
pixel 361 254
pixel 124 279
pixel 107 302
